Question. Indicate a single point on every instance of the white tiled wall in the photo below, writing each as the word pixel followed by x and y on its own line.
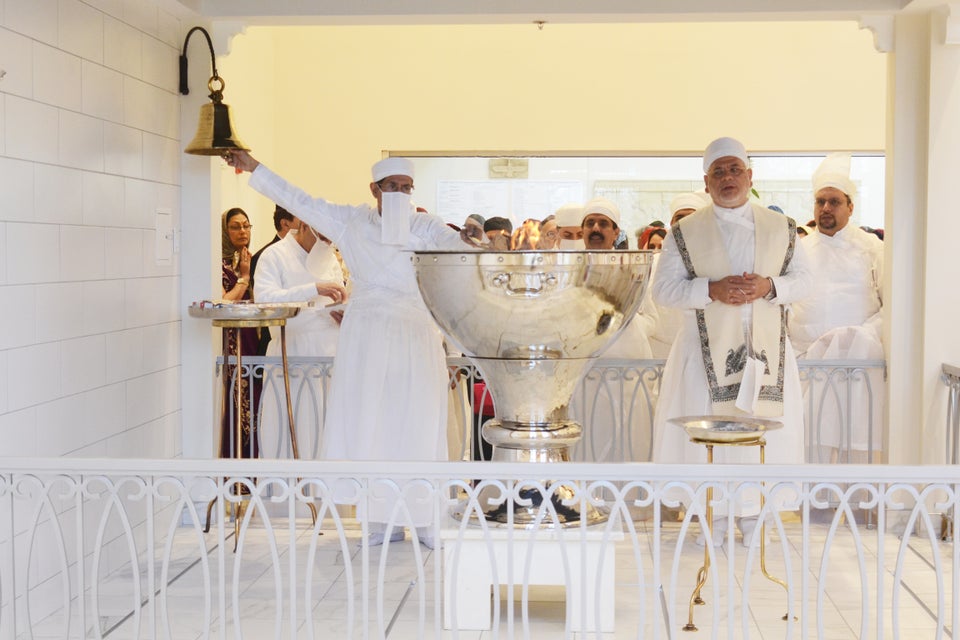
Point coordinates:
pixel 89 149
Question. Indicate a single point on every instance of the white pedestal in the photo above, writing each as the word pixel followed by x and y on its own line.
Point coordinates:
pixel 584 566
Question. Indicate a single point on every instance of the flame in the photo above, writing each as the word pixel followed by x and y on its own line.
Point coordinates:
pixel 527 236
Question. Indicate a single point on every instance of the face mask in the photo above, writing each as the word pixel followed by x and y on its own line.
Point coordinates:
pixel 397 209
pixel 571 245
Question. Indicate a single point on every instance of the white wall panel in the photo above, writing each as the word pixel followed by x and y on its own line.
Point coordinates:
pixel 125 258
pixel 83 364
pixel 33 253
pixel 56 77
pixel 57 195
pixel 16 51
pixel 102 200
pixel 82 251
pixel 31 130
pixel 81 30
pixel 121 47
pixel 102 310
pixel 20 319
pixel 122 150
pixel 58 311
pixel 16 190
pixel 81 141
pixel 31 382
pixel 34 18
pixel 102 92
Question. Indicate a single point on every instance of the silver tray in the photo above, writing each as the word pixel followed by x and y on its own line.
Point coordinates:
pixel 244 310
pixel 725 429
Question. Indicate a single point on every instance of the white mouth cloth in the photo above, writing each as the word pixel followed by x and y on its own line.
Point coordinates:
pixel 752 379
pixel 395 224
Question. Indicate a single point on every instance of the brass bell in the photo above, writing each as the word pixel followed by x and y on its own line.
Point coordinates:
pixel 215 133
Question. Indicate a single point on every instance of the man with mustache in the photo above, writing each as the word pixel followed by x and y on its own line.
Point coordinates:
pixel 841 318
pixel 600 224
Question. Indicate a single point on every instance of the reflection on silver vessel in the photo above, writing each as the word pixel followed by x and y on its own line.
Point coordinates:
pixel 532 322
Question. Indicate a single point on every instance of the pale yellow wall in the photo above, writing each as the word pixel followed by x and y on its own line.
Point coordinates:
pixel 345 94
pixel 249 75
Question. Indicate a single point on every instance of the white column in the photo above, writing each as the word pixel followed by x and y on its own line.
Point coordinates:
pixel 921 306
pixel 941 228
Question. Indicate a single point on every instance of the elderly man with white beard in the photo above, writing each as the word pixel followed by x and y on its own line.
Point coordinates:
pixel 731 267
pixel 842 318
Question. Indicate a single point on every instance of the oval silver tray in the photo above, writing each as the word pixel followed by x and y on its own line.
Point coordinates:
pixel 243 311
pixel 721 429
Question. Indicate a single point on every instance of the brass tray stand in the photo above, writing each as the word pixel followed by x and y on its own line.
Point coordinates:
pixel 695 598
pixel 236 325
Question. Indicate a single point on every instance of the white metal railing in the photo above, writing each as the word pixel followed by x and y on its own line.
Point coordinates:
pixel 615 402
pixel 951 377
pixel 116 548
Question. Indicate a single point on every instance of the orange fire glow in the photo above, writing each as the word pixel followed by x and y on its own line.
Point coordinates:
pixel 526 236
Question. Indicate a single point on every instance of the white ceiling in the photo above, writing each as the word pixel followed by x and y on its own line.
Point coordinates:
pixel 278 12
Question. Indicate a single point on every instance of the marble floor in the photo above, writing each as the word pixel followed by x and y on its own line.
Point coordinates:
pixel 257 583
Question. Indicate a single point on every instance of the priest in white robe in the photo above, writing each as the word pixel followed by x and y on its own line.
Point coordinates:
pixel 731 267
pixel 388 397
pixel 300 267
pixel 841 320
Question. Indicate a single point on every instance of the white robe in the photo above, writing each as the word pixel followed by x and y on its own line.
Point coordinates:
pixel 841 320
pixel 684 390
pixel 283 275
pixel 667 324
pixel 616 415
pixel 388 397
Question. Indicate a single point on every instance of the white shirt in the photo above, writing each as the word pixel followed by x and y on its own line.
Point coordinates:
pixel 283 275
pixel 848 270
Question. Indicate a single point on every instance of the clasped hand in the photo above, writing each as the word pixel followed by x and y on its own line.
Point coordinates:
pixel 738 290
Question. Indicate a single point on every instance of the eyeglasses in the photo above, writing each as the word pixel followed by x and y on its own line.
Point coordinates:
pixel 735 171
pixel 603 223
pixel 239 227
pixel 833 202
pixel 393 187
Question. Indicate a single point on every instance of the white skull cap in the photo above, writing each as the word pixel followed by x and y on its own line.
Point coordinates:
pixel 692 200
pixel 603 207
pixel 569 215
pixel 393 166
pixel 722 148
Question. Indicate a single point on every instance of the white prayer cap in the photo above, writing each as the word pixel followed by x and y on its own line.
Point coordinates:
pixel 691 200
pixel 603 207
pixel 392 166
pixel 834 172
pixel 721 148
pixel 569 215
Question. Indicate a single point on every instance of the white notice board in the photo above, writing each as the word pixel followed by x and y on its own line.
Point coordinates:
pixel 456 199
pixel 513 199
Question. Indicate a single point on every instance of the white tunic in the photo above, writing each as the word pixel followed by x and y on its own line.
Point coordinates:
pixel 841 320
pixel 667 324
pixel 388 397
pixel 684 390
pixel 285 274
pixel 848 270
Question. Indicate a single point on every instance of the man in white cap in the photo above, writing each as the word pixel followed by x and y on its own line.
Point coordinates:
pixel 568 218
pixel 841 318
pixel 600 224
pixel 732 267
pixel 385 403
pixel 684 204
